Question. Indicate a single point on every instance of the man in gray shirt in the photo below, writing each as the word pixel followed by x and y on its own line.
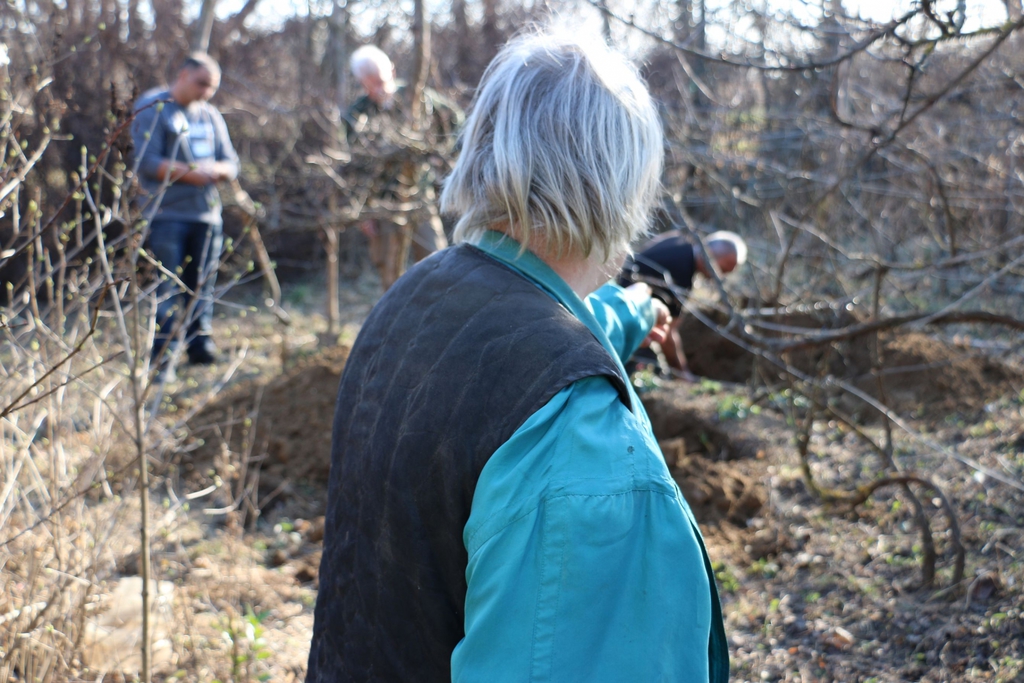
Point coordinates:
pixel 184 150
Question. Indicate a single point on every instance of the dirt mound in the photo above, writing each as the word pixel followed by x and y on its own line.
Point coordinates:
pixel 284 423
pixel 677 416
pixel 711 355
pixel 702 454
pixel 714 490
pixel 923 376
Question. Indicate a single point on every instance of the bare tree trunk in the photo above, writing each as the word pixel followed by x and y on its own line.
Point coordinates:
pixel 699 30
pixel 421 59
pixel 491 34
pixel 339 43
pixel 204 26
pixel 169 16
pixel 462 47
pixel 333 304
pixel 684 21
pixel 237 22
pixel 140 450
pixel 135 28
pixel 689 31
pixel 698 39
pixel 73 12
pixel 5 79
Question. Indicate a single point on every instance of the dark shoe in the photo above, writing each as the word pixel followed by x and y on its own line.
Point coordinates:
pixel 202 352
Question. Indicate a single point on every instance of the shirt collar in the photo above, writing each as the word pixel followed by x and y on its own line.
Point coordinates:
pixel 507 250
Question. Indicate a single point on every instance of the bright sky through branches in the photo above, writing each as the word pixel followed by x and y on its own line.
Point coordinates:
pixel 979 12
pixel 272 13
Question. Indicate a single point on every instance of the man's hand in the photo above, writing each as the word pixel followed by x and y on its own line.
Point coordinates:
pixel 216 171
pixel 201 174
pixel 209 172
pixel 641 292
pixel 662 320
pixel 200 177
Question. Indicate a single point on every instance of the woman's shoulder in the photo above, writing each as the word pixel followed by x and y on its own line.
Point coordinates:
pixel 583 442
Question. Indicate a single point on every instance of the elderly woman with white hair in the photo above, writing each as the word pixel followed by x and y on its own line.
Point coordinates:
pixel 498 506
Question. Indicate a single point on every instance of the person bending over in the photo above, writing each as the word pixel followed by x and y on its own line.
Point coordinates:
pixel 498 508
pixel 672 260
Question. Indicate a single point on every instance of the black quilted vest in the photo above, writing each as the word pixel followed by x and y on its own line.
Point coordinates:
pixel 452 360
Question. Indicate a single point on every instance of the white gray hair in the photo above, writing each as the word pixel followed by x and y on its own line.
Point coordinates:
pixel 728 241
pixel 564 144
pixel 370 59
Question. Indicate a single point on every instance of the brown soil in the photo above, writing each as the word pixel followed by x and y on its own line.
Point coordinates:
pixel 714 490
pixel 290 418
pixel 922 376
pixel 925 376
pixel 705 455
pixel 676 414
pixel 287 420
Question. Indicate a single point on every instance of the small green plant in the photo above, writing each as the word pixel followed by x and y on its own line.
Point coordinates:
pixel 733 407
pixel 299 294
pixel 247 645
pixel 707 386
pixel 764 568
pixel 727 581
pixel 645 380
pixel 782 399
pixel 983 429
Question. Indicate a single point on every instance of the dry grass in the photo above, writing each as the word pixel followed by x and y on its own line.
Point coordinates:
pixel 69 504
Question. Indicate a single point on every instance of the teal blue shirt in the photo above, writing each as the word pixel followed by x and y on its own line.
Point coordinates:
pixel 585 562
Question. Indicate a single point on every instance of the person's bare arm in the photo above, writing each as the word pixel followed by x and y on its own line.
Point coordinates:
pixel 674 356
pixel 199 175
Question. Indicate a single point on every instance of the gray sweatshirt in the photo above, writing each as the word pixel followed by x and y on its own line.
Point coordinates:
pixel 191 134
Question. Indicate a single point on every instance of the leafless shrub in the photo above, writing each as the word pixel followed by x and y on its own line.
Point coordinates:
pixel 80 412
pixel 876 170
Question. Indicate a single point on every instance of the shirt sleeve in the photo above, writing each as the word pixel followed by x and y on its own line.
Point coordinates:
pixel 584 564
pixel 626 322
pixel 149 139
pixel 225 150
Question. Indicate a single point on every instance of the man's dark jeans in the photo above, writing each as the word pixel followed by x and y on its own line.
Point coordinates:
pixel 191 251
